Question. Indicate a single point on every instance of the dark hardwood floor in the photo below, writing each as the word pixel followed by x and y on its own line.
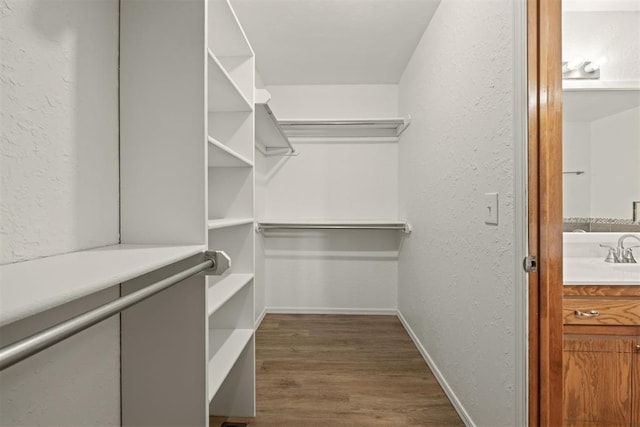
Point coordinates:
pixel 335 370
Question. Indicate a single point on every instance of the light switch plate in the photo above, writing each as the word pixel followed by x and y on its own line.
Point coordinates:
pixel 491 208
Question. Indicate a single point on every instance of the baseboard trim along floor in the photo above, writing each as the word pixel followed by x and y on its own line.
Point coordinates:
pixel 457 405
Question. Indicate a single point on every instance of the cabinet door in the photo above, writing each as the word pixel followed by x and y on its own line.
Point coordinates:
pixel 598 380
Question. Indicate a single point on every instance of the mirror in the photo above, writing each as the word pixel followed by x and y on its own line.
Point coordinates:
pixel 601 137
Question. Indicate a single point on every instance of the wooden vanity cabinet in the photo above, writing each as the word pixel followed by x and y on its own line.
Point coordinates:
pixel 601 356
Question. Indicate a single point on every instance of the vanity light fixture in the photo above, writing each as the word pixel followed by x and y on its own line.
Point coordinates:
pixel 572 65
pixel 590 67
pixel 579 69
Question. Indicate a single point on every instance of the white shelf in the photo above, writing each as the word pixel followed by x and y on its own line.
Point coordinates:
pixel 214 224
pixel 31 287
pixel 224 94
pixel 350 129
pixel 223 290
pixel 228 345
pixel 221 156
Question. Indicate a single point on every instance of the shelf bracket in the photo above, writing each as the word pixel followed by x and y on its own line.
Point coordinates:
pixel 405 124
pixel 221 262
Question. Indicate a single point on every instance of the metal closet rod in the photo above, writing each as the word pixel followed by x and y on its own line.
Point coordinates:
pixel 265 226
pixel 29 346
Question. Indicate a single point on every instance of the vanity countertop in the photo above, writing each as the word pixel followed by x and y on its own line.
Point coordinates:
pixel 594 271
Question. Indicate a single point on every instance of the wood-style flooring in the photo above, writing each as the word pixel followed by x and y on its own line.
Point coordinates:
pixel 335 370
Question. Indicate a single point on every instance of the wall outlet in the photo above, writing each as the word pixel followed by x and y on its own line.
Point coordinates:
pixel 491 208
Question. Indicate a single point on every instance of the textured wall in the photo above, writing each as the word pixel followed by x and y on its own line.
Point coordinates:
pixel 59 86
pixel 616 35
pixel 59 144
pixel 456 274
pixel 336 270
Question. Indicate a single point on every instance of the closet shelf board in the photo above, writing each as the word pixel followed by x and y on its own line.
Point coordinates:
pixel 214 224
pixel 227 37
pixel 221 156
pixel 344 128
pixel 220 292
pixel 228 345
pixel 224 94
pixel 31 287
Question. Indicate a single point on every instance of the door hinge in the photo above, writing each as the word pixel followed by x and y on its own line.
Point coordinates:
pixel 530 264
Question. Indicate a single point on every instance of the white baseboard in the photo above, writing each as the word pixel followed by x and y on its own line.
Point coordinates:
pixel 327 310
pixel 260 318
pixel 466 419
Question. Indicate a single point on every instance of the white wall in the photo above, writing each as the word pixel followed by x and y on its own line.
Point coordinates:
pixel 59 127
pixel 576 156
pixel 59 84
pixel 615 35
pixel 335 270
pixel 615 164
pixel 456 274
pixel 608 150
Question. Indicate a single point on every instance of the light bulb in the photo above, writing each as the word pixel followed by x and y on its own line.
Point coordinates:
pixel 595 65
pixel 574 64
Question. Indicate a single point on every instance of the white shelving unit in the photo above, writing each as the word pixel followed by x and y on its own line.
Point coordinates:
pixel 231 136
pixel 187 131
pixel 224 93
pixel 227 345
pixel 187 184
pixel 228 222
pixel 221 156
pixel 221 291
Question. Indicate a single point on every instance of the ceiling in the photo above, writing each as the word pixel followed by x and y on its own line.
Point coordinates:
pixel 333 41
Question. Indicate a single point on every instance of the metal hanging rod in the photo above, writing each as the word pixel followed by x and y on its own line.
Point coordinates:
pixel 14 353
pixel 573 173
pixel 266 226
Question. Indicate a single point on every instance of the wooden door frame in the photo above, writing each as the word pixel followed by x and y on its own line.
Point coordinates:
pixel 544 56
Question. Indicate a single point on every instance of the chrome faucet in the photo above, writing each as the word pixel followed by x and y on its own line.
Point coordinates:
pixel 621 254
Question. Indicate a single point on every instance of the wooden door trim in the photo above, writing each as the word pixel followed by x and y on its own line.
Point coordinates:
pixel 545 211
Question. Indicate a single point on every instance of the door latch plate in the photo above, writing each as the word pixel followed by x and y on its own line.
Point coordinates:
pixel 530 264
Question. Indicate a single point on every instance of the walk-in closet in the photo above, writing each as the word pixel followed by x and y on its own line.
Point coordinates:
pixel 269 212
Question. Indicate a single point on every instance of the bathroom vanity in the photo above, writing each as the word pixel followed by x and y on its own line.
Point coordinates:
pixel 601 354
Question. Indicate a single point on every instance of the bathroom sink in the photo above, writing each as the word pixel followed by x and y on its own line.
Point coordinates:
pixel 625 267
pixel 595 271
